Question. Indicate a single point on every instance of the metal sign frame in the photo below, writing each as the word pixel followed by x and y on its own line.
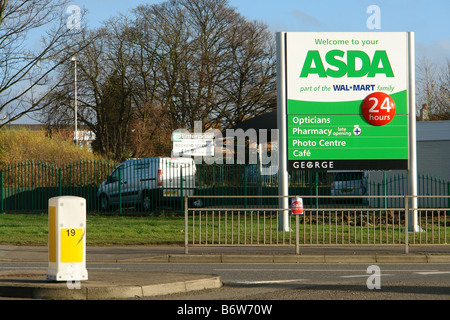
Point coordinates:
pixel 407 159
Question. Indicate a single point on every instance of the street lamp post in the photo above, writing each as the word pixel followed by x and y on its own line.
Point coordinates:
pixel 75 136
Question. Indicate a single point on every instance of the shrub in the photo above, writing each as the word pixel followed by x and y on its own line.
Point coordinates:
pixel 24 145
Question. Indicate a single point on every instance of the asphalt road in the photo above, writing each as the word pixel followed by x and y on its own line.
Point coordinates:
pixel 298 281
pixel 319 281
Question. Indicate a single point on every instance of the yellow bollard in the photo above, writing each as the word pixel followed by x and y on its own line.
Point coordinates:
pixel 67 239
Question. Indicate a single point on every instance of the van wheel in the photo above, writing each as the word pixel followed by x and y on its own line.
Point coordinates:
pixel 146 202
pixel 198 203
pixel 104 202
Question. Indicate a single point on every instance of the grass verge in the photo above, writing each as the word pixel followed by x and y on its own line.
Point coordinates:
pixel 32 229
pixel 102 230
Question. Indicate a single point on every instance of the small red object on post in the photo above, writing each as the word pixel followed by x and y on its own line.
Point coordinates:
pixel 297 205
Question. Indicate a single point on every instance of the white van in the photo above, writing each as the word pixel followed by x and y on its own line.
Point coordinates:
pixel 351 183
pixel 147 182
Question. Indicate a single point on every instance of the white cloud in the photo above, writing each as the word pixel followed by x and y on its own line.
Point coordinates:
pixel 306 20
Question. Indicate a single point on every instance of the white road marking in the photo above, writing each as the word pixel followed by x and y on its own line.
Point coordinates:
pixel 269 281
pixel 433 272
pixel 44 268
pixel 364 275
pixel 23 268
pixel 319 270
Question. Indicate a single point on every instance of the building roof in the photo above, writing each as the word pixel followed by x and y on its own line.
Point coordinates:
pixel 433 130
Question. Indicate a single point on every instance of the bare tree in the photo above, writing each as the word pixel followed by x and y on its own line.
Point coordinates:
pixel 216 67
pixel 209 25
pixel 433 88
pixel 170 39
pixel 104 89
pixel 249 87
pixel 25 68
pixel 163 67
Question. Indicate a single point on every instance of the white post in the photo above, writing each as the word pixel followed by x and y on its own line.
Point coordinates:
pixel 74 59
pixel 67 239
pixel 413 220
pixel 283 178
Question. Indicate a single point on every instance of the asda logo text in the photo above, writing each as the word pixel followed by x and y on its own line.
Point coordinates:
pixel 353 63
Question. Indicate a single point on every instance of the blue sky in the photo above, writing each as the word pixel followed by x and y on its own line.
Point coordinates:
pixel 428 19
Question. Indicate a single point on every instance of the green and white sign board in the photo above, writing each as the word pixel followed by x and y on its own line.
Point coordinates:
pixel 346 100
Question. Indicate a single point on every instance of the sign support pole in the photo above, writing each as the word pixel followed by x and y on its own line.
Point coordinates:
pixel 283 178
pixel 297 235
pixel 413 221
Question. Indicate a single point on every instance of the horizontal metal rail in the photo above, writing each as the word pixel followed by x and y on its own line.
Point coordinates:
pixel 255 224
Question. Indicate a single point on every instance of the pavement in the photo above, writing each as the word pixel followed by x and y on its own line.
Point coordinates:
pixel 23 283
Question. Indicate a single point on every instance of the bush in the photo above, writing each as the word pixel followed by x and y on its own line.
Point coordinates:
pixel 25 145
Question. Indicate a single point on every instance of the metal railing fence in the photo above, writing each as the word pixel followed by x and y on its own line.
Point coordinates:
pixel 27 186
pixel 252 180
pixel 259 224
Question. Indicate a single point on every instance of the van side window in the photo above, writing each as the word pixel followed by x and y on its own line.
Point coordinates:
pixel 114 177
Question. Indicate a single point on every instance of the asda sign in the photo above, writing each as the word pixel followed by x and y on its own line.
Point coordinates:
pixel 346 100
pixel 338 68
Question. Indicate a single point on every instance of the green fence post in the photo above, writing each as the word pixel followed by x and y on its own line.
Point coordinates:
pixel 215 167
pixel 317 189
pixel 385 189
pixel 448 193
pixel 60 181
pixel 245 186
pixel 120 190
pixel 379 194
